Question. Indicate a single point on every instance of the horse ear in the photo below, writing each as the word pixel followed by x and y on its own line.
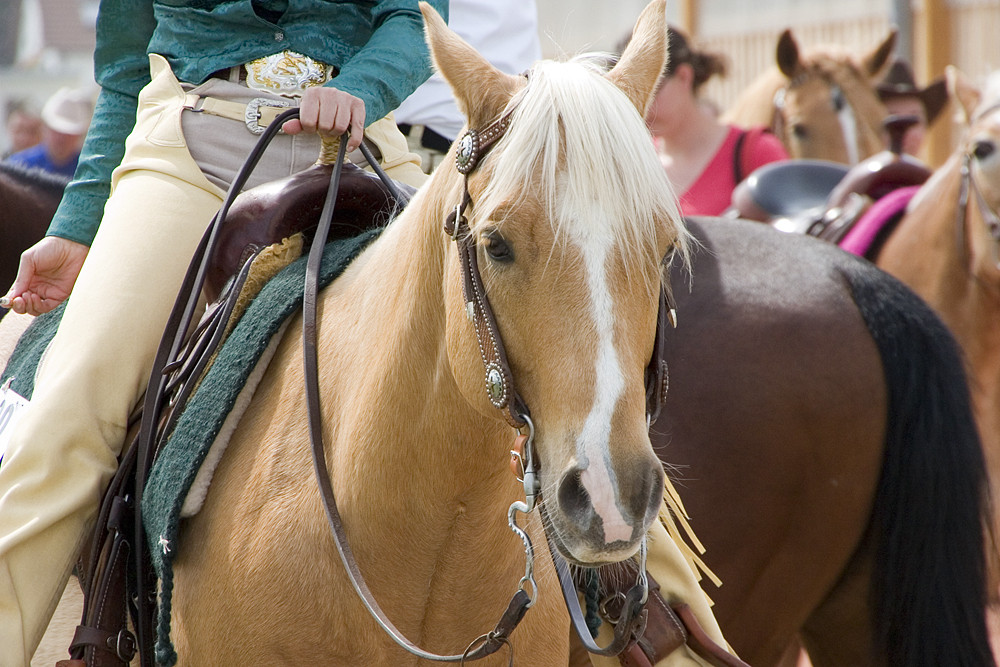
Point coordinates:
pixel 876 61
pixel 961 89
pixel 481 90
pixel 788 54
pixel 641 64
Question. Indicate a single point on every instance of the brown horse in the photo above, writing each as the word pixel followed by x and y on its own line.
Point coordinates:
pixel 821 105
pixel 824 448
pixel 28 199
pixel 569 248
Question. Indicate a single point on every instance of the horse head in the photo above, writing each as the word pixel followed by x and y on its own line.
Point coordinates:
pixel 569 216
pixel 979 155
pixel 826 106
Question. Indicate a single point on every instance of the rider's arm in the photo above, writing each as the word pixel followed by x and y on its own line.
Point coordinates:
pixel 121 67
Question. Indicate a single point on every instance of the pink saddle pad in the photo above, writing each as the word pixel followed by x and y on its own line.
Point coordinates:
pixel 860 237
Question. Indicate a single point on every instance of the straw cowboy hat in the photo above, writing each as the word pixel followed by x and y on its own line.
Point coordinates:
pixel 68 111
pixel 899 82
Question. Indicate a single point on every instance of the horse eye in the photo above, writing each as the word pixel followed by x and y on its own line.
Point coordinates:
pixel 983 149
pixel 497 248
pixel 800 131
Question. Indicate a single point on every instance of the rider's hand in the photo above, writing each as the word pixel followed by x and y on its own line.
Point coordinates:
pixel 330 112
pixel 45 276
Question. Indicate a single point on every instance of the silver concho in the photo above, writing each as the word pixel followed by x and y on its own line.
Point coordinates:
pixel 496 386
pixel 467 153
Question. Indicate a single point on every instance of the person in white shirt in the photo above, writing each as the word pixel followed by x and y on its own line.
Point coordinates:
pixel 506 33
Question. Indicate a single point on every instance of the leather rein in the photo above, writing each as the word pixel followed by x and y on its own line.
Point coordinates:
pixel 503 395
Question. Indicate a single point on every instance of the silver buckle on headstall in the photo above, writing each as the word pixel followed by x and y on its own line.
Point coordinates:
pixel 252 114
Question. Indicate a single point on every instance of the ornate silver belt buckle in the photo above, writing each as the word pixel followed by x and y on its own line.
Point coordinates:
pixel 252 114
pixel 287 73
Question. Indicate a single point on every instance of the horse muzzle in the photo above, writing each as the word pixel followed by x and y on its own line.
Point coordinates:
pixel 599 514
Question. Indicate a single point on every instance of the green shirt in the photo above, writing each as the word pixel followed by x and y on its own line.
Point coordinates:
pixel 377 45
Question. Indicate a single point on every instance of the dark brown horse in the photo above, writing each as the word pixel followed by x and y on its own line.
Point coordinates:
pixel 819 429
pixel 28 198
pixel 945 247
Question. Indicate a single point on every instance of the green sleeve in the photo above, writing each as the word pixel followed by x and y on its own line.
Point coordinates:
pixel 393 62
pixel 121 67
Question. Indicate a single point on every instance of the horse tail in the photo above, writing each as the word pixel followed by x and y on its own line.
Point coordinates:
pixel 931 513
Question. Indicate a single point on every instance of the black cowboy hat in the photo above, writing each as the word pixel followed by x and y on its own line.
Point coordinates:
pixel 899 82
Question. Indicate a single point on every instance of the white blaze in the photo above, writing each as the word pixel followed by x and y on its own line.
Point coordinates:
pixel 593 444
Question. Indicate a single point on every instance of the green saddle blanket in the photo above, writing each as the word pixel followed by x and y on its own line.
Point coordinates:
pixel 23 362
pixel 187 446
pixel 196 428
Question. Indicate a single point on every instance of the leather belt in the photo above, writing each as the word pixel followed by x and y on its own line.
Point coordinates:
pixel 256 114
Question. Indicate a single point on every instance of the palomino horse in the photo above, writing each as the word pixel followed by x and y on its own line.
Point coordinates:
pixel 569 219
pixel 28 198
pixel 947 249
pixel 822 104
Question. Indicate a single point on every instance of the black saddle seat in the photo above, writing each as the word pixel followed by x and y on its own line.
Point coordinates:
pixel 786 189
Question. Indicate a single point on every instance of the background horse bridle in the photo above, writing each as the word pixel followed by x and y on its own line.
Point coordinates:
pixel 846 114
pixel 969 186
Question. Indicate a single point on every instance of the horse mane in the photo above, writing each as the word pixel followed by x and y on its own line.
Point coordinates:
pixel 51 185
pixel 575 136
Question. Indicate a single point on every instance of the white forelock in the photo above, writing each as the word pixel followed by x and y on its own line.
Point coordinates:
pixel 576 139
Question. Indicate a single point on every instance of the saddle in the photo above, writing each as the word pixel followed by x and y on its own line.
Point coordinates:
pixel 268 213
pixel 258 218
pixel 826 199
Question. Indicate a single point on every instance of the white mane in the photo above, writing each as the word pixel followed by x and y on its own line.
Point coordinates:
pixel 576 136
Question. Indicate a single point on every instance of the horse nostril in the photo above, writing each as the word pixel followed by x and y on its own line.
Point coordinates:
pixel 573 498
pixel 982 149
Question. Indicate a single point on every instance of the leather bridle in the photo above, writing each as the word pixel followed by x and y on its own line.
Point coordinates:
pixel 503 395
pixel 969 186
pixel 471 149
